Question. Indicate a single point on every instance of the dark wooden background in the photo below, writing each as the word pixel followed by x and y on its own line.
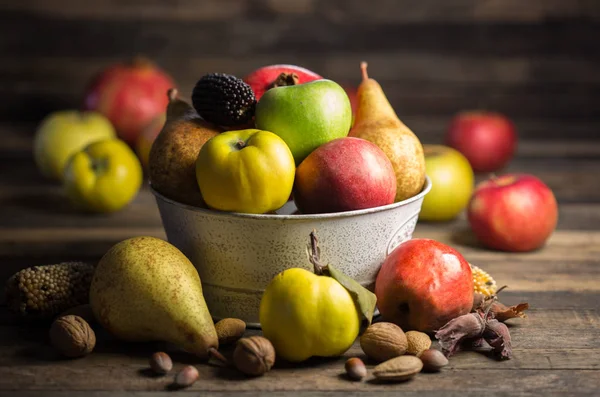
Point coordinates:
pixel 538 61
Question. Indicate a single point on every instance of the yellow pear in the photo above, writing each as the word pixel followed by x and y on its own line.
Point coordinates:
pixel 145 289
pixel 172 161
pixel 377 122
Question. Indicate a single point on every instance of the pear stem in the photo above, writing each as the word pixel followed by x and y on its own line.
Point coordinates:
pixel 363 69
pixel 314 254
pixel 172 94
pixel 212 352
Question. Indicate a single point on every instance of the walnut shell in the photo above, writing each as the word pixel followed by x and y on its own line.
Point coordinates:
pixel 383 341
pixel 72 336
pixel 229 330
pixel 254 355
pixel 418 342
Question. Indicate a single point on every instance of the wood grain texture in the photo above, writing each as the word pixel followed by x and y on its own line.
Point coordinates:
pixel 534 60
pixel 402 11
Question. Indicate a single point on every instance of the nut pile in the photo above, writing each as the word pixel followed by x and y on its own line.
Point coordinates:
pixel 401 355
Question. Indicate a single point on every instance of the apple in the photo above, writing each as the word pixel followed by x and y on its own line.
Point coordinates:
pixel 61 134
pixel 452 183
pixel 305 116
pixel 487 139
pixel 513 212
pixel 248 171
pixel 423 284
pixel 343 175
pixel 271 76
pixel 103 177
pixel 145 140
pixel 130 95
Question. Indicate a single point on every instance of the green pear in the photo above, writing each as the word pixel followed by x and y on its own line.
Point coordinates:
pixel 145 289
pixel 306 115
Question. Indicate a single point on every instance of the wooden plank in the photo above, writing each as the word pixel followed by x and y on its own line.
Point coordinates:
pixel 323 376
pixel 403 11
pixel 289 35
pixel 430 68
pixel 32 103
pixel 31 206
pixel 433 84
pixel 538 138
pixel 568 262
pixel 297 393
pixel 111 353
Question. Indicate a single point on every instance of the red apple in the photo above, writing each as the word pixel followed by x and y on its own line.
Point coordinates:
pixel 488 140
pixel 130 95
pixel 514 212
pixel 343 175
pixel 278 75
pixel 423 284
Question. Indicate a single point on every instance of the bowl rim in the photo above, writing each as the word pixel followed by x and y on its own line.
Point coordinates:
pixel 426 188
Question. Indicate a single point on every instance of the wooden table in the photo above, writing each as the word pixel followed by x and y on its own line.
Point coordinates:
pixel 555 351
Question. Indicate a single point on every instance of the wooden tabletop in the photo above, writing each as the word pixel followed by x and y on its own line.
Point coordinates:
pixel 555 351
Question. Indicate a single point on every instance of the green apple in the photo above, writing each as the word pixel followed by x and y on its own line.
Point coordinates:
pixel 61 134
pixel 103 177
pixel 452 183
pixel 306 115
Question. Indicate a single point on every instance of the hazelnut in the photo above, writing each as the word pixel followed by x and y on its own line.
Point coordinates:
pixel 186 377
pixel 433 360
pixel 161 363
pixel 254 355
pixel 230 330
pixel 355 368
pixel 72 336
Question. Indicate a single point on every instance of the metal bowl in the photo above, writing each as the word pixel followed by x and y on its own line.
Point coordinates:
pixel 237 255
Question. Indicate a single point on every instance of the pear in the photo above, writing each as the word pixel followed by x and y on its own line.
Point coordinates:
pixel 145 289
pixel 377 122
pixel 172 161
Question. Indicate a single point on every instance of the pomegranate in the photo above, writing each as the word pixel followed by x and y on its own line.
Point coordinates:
pixel 278 75
pixel 130 95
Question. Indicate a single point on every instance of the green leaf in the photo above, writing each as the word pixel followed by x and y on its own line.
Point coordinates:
pixel 364 299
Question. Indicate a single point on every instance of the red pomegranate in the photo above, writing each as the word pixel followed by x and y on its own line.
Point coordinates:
pixel 278 75
pixel 130 95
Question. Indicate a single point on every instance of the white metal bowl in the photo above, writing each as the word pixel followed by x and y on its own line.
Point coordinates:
pixel 237 255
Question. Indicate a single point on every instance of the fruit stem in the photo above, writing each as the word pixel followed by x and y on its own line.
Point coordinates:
pixel 140 61
pixel 212 352
pixel 314 254
pixel 172 94
pixel 493 299
pixel 240 144
pixel 284 79
pixel 363 69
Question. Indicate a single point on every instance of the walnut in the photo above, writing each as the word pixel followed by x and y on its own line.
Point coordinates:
pixel 72 336
pixel 254 355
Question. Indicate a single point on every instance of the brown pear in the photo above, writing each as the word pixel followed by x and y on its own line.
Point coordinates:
pixel 172 162
pixel 377 122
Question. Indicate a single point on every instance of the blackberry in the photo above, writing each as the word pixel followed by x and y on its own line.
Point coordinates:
pixel 224 99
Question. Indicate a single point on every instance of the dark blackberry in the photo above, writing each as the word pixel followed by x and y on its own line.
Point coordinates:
pixel 224 99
